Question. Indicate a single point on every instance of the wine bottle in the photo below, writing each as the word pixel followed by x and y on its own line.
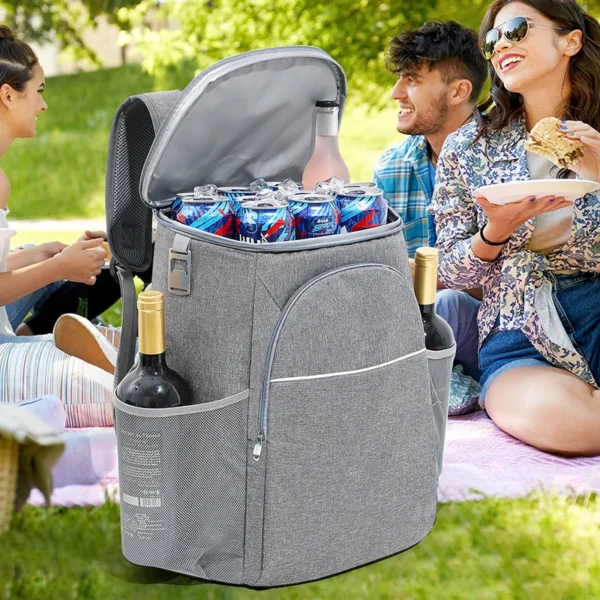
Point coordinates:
pixel 151 383
pixel 438 335
pixel 326 160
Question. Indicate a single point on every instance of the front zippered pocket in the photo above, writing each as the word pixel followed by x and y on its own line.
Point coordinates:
pixel 261 436
pixel 346 356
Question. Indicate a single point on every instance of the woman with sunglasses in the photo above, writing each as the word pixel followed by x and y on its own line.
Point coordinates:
pixel 538 260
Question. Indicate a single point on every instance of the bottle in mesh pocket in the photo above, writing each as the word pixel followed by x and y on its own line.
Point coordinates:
pixel 438 335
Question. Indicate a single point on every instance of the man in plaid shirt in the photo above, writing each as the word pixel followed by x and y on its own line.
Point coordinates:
pixel 441 72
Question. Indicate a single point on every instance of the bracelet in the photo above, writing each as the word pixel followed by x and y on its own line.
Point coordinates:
pixel 486 241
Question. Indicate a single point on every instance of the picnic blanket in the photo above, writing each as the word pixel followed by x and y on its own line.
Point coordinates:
pixel 480 460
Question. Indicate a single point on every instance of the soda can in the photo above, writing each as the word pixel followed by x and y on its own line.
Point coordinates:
pixel 360 185
pixel 315 215
pixel 234 194
pixel 212 215
pixel 362 208
pixel 263 222
pixel 180 198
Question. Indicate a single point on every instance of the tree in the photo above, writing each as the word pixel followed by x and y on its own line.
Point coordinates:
pixel 355 32
pixel 62 20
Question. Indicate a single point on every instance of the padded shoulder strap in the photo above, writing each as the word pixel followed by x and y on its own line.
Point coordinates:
pixel 129 219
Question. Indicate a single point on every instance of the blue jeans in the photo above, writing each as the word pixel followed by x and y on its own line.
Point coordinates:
pixel 19 309
pixel 460 312
pixel 576 300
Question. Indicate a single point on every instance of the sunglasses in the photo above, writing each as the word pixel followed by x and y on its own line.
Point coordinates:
pixel 514 30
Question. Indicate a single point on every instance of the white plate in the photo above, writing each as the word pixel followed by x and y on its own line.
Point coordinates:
pixel 513 191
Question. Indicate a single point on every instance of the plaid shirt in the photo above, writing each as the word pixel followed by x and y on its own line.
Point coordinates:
pixel 403 173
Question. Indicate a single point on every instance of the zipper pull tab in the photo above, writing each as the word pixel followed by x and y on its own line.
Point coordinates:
pixel 258 446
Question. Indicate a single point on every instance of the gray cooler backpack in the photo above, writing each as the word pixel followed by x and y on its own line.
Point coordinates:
pixel 315 441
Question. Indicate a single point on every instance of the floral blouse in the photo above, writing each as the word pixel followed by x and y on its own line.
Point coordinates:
pixel 516 286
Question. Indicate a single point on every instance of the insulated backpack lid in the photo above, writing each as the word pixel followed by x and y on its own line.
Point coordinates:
pixel 248 116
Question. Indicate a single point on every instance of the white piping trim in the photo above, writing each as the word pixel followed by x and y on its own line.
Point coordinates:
pixel 343 373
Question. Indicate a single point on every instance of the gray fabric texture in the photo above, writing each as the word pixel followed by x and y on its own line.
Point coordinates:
pixel 183 482
pixel 208 333
pixel 255 502
pixel 361 322
pixel 350 471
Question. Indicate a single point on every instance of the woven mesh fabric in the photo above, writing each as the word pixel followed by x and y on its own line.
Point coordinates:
pixel 129 218
pixel 187 475
pixel 439 377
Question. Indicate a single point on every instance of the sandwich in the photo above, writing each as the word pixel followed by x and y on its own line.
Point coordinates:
pixel 546 140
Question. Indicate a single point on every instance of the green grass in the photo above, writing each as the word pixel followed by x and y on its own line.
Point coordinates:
pixel 542 547
pixel 60 173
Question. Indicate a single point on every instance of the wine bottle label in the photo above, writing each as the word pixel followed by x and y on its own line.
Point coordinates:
pixel 327 123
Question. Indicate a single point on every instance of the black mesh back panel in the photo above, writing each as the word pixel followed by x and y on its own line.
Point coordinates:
pixel 129 219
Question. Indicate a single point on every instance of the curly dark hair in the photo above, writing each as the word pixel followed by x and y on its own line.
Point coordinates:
pixel 447 46
pixel 584 67
pixel 17 60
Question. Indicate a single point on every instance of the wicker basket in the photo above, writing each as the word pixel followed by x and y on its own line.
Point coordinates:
pixel 9 462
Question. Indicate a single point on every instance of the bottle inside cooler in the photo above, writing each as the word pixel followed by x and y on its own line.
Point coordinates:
pixel 326 160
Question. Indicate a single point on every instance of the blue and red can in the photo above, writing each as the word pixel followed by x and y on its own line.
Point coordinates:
pixel 179 200
pixel 362 208
pixel 212 215
pixel 315 215
pixel 235 194
pixel 263 222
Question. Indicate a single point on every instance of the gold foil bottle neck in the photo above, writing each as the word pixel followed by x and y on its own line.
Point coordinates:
pixel 151 300
pixel 425 284
pixel 151 322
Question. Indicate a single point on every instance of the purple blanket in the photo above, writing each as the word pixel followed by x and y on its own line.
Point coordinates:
pixel 479 460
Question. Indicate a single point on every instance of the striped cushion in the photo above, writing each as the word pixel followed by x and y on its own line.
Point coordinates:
pixel 39 368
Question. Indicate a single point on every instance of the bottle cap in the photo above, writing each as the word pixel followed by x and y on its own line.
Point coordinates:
pixel 151 300
pixel 327 104
pixel 427 256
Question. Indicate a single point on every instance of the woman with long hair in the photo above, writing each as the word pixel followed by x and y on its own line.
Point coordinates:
pixel 38 367
pixel 538 259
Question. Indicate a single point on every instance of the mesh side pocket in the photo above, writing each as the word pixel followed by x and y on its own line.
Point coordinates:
pixel 182 479
pixel 440 371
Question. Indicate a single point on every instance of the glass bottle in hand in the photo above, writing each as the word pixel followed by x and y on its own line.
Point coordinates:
pixel 151 383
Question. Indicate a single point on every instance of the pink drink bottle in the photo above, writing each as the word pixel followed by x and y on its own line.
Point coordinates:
pixel 326 160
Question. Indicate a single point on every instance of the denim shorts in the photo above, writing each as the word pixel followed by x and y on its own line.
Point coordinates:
pixel 577 300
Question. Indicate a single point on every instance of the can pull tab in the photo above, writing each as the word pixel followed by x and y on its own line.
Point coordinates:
pixel 180 262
